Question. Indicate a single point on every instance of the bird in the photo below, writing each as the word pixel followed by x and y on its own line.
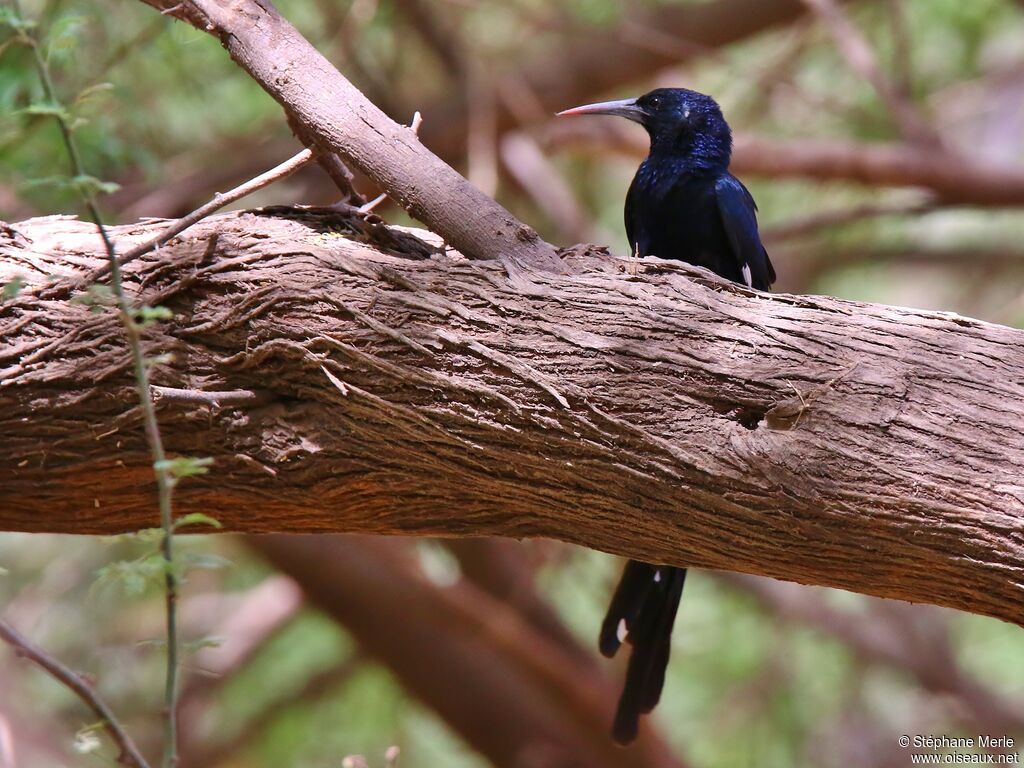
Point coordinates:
pixel 682 204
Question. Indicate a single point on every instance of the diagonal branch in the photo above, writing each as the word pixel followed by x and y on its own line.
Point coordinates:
pixel 130 754
pixel 502 685
pixel 337 117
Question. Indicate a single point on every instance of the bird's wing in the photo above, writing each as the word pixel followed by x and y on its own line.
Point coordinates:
pixel 738 211
pixel 631 233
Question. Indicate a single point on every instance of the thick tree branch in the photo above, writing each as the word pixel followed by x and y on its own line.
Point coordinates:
pixel 623 406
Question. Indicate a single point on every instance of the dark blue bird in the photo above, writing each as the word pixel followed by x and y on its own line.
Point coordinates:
pixel 683 204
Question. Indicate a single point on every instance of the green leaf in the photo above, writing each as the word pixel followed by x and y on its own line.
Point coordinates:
pixel 92 92
pixel 97 296
pixel 10 42
pixel 60 182
pixel 203 642
pixel 144 535
pixel 83 185
pixel 46 109
pixel 12 288
pixel 147 315
pixel 197 518
pixel 205 562
pixel 9 18
pixel 90 185
pixel 87 741
pixel 165 359
pixel 134 576
pixel 184 466
pixel 62 36
pixel 148 535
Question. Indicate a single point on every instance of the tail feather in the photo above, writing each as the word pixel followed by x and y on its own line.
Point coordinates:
pixel 630 596
pixel 645 605
pixel 662 640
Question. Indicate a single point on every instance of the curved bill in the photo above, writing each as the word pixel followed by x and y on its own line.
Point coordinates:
pixel 626 108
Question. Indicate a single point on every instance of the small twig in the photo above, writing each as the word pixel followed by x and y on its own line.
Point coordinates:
pixel 74 682
pixel 214 399
pixel 857 52
pixel 219 200
pixel 417 121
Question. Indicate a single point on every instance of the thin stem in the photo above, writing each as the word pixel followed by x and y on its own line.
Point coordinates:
pixel 164 481
pixel 77 685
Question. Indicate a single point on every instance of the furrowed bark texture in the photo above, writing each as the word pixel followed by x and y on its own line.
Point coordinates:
pixel 623 406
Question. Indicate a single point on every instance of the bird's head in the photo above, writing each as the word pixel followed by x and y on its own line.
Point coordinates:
pixel 679 122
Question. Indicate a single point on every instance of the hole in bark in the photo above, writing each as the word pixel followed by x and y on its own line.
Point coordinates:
pixel 747 415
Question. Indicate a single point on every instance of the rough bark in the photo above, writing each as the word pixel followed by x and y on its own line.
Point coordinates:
pixel 638 412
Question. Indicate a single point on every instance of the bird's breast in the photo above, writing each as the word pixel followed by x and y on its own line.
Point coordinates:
pixel 678 218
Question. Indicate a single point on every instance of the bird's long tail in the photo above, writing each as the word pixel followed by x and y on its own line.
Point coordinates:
pixel 642 613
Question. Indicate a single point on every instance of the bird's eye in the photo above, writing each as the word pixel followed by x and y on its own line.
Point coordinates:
pixel 655 101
